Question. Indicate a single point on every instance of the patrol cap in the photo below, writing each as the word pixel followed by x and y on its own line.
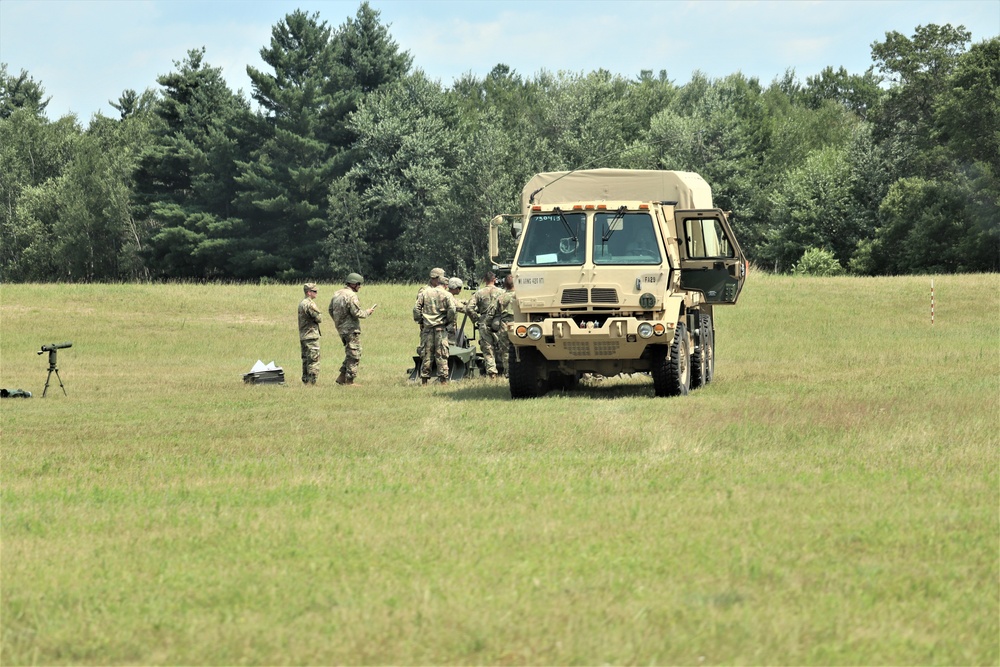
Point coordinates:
pixel 454 283
pixel 355 279
pixel 437 273
pixel 309 287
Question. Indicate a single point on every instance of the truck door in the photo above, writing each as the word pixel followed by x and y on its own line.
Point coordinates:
pixel 711 259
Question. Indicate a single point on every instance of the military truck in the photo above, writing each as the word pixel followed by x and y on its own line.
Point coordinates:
pixel 617 271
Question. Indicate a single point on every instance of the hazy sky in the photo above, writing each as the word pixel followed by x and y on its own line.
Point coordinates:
pixel 86 52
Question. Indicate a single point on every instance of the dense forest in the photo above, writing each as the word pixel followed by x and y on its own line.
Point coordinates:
pixel 351 159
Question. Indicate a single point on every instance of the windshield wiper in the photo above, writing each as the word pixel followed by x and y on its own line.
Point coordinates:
pixel 565 222
pixel 619 214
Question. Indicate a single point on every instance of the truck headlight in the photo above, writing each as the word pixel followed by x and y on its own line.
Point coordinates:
pixel 521 331
pixel 659 329
pixel 645 330
pixel 535 332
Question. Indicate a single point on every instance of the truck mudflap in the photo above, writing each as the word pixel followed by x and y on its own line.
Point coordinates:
pixel 563 339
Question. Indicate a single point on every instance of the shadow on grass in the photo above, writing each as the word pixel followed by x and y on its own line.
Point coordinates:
pixel 622 386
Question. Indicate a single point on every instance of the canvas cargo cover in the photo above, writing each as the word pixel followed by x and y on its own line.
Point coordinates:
pixel 687 188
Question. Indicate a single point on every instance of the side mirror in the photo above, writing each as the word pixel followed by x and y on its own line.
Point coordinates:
pixel 495 238
pixel 516 223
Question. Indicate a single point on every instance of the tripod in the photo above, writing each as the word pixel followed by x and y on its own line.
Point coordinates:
pixel 52 367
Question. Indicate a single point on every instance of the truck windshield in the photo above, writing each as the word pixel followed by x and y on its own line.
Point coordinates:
pixel 553 239
pixel 628 239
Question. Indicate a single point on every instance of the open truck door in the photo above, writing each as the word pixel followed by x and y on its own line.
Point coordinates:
pixel 711 259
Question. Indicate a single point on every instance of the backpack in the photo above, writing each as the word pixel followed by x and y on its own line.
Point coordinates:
pixel 493 313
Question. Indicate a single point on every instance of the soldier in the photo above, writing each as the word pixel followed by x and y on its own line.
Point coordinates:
pixel 482 309
pixel 505 315
pixel 437 281
pixel 435 311
pixel 346 313
pixel 309 334
pixel 455 288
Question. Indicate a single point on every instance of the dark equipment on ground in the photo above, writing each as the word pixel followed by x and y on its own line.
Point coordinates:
pixel 14 393
pixel 51 349
pixel 463 359
pixel 265 374
pixel 265 377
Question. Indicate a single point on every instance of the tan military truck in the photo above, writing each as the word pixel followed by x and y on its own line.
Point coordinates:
pixel 617 271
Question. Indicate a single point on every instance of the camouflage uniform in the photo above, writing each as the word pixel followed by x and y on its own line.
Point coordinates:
pixel 484 306
pixel 461 307
pixel 309 334
pixel 435 311
pixel 438 275
pixel 505 315
pixel 346 311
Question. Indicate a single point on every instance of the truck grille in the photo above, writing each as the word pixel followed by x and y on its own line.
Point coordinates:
pixel 606 349
pixel 603 295
pixel 600 349
pixel 578 295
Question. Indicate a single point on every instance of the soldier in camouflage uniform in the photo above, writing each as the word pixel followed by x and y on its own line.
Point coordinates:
pixel 437 281
pixel 482 309
pixel 435 311
pixel 347 315
pixel 505 315
pixel 309 334
pixel 454 289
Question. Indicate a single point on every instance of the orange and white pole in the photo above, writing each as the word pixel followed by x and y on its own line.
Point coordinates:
pixel 932 302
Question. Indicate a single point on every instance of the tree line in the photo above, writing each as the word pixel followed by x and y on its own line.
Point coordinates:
pixel 354 160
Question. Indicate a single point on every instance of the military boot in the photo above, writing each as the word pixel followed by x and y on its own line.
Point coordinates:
pixel 341 379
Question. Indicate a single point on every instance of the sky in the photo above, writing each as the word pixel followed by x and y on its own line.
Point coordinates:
pixel 87 52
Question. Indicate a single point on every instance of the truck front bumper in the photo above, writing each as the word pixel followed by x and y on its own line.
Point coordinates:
pixel 560 339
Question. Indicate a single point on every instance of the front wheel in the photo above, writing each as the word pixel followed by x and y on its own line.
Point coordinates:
pixel 527 376
pixel 703 359
pixel 671 368
pixel 708 344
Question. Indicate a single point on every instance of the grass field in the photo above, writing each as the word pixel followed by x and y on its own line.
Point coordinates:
pixel 831 498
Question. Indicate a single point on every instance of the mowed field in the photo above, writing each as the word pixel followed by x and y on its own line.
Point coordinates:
pixel 831 498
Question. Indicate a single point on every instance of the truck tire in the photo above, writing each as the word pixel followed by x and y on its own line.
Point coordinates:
pixel 526 377
pixel 708 336
pixel 703 359
pixel 671 369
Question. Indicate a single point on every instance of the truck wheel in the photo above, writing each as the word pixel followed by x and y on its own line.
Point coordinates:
pixel 671 369
pixel 526 376
pixel 708 346
pixel 704 355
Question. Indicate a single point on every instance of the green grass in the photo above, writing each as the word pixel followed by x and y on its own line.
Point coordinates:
pixel 831 498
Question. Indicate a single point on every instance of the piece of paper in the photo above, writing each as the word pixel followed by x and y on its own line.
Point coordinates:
pixel 260 367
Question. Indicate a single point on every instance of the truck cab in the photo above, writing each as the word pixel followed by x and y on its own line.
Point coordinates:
pixel 612 277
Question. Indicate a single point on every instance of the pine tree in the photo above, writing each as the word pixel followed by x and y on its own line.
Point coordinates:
pixel 186 181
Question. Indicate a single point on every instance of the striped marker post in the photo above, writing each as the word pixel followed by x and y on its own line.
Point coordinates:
pixel 932 302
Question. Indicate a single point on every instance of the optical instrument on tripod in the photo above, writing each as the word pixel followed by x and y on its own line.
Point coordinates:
pixel 51 349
